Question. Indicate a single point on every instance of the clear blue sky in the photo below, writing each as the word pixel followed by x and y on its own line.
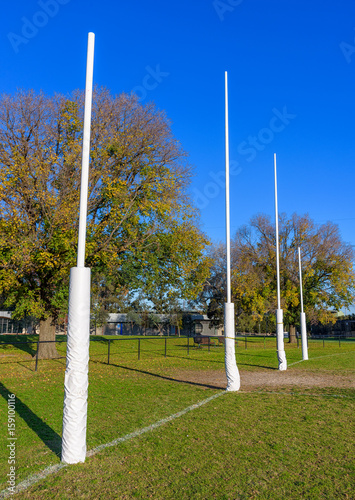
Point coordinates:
pixel 288 58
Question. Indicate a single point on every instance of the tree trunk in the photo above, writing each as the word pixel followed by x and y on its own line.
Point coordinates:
pixel 292 335
pixel 47 350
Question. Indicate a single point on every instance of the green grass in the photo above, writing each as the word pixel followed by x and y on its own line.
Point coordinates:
pixel 275 444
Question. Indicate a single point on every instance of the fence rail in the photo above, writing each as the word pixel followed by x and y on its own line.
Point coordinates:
pixel 139 345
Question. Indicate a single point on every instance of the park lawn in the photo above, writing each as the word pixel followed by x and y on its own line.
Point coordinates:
pixel 264 444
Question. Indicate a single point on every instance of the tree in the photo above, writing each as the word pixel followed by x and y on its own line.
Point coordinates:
pixel 137 200
pixel 212 297
pixel 327 269
pixel 173 268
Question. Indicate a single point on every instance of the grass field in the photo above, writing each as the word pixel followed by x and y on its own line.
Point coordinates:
pixel 285 441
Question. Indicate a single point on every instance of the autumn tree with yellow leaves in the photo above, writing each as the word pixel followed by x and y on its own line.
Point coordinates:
pixel 140 221
pixel 327 271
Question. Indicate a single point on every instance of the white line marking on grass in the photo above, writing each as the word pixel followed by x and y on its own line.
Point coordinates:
pixel 56 468
pixel 139 432
pixel 52 469
pixel 318 357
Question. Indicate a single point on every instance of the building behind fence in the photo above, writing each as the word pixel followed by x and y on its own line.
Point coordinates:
pixel 10 325
pixel 186 324
pixel 159 324
pixel 190 323
pixel 342 328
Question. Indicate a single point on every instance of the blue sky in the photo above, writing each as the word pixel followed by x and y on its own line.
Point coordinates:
pixel 291 70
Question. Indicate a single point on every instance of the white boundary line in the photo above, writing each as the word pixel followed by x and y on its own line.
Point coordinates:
pixel 318 357
pixel 52 469
pixel 153 426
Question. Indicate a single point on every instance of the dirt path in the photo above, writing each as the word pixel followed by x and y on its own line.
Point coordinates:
pixel 252 380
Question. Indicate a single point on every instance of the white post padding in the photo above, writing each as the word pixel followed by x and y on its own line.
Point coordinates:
pixel 76 378
pixel 281 355
pixel 232 372
pixel 304 336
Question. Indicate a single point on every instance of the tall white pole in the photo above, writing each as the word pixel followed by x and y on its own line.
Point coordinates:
pixel 232 372
pixel 228 244
pixel 300 271
pixel 77 366
pixel 277 239
pixel 281 355
pixel 302 315
pixel 86 152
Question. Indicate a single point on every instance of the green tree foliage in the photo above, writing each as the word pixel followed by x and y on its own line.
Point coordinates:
pixel 212 297
pixel 327 270
pixel 139 216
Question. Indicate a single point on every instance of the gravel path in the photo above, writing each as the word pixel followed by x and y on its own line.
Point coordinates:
pixel 252 380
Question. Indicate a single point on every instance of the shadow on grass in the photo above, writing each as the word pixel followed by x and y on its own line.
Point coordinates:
pixel 157 375
pixel 101 340
pixel 28 364
pixel 30 367
pixel 26 345
pixel 49 437
pixel 250 352
pixel 194 359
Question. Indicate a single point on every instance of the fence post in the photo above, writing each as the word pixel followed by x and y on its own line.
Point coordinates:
pixel 37 356
pixel 139 348
pixel 108 352
pixel 165 346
